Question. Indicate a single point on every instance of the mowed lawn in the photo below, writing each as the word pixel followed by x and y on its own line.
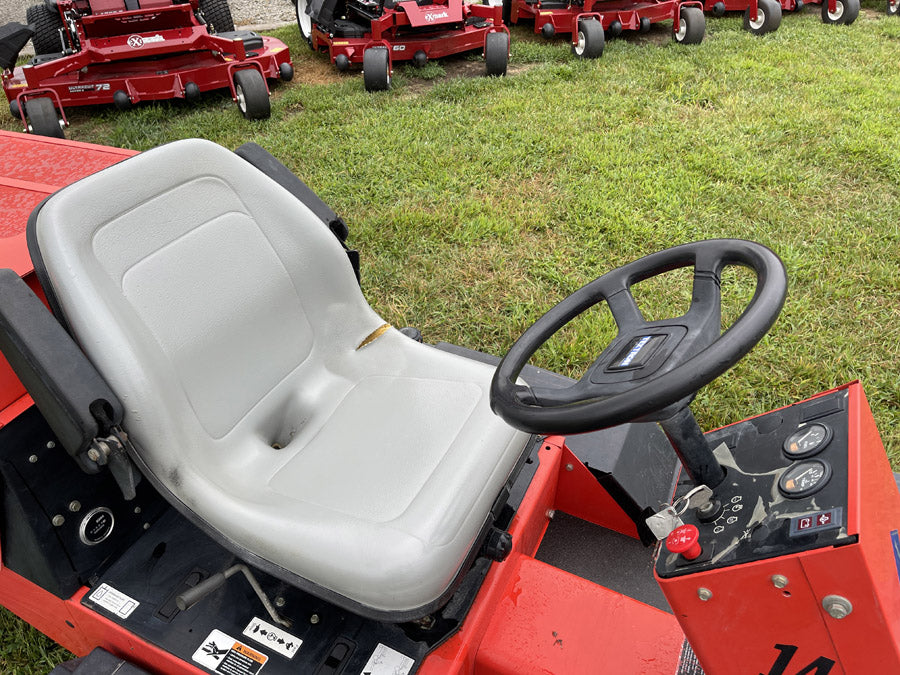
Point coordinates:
pixel 478 203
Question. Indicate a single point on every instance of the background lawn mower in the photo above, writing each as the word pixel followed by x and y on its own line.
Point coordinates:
pixel 376 33
pixel 295 486
pixel 764 16
pixel 123 52
pixel 589 21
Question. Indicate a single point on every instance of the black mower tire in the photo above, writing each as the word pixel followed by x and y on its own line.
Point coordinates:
pixel 217 15
pixel 376 69
pixel 768 18
pixel 252 94
pixel 42 118
pixel 893 7
pixel 591 40
pixel 304 21
pixel 46 22
pixel 845 12
pixel 496 53
pixel 691 26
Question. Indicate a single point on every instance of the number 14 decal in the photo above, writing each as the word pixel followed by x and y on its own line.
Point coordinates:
pixel 821 666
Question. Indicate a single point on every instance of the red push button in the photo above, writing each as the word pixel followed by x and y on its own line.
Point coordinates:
pixel 686 541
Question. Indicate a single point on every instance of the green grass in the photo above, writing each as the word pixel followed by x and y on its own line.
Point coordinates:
pixel 478 203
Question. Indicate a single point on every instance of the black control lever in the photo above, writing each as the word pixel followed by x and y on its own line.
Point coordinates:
pixel 692 449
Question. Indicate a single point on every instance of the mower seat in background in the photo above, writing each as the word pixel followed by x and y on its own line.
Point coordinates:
pixel 264 397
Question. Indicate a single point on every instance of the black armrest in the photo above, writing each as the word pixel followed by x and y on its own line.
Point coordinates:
pixel 72 396
pixel 263 160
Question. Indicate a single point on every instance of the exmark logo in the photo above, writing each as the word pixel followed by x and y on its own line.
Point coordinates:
pixel 136 41
pixel 431 17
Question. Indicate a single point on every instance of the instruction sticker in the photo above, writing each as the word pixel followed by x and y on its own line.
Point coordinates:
pixel 387 661
pixel 223 654
pixel 114 601
pixel 273 637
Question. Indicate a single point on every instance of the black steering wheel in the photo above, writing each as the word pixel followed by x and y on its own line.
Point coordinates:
pixel 652 369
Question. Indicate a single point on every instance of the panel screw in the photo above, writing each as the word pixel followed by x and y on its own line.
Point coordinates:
pixel 279 601
pixel 51 445
pixel 836 606
pixel 74 506
pixel 137 509
pixel 551 513
pixel 569 467
pixel 33 459
pixel 779 580
pixel 704 594
pixel 314 619
pixel 58 520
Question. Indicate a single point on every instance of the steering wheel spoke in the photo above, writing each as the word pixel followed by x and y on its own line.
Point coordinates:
pixel 650 365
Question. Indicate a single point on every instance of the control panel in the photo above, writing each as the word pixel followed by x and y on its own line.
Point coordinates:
pixel 785 490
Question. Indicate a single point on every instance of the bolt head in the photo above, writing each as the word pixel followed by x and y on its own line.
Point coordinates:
pixel 74 506
pixel 779 580
pixel 569 467
pixel 704 594
pixel 58 520
pixel 279 601
pixel 33 459
pixel 837 606
pixel 314 619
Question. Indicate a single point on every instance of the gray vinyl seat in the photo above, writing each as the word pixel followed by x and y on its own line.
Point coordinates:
pixel 264 397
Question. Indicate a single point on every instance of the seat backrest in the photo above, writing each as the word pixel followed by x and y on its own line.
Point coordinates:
pixel 263 304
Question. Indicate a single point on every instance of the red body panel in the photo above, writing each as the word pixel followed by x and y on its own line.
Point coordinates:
pixel 32 168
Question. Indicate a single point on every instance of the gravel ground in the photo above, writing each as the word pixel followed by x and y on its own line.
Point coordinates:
pixel 259 14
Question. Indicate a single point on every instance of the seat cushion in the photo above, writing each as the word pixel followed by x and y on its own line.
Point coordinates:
pixel 263 395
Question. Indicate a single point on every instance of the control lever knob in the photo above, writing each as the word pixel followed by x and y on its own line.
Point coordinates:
pixel 686 541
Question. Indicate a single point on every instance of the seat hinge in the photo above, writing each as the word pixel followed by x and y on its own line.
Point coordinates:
pixel 112 451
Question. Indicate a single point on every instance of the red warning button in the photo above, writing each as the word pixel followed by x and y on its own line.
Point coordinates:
pixel 686 541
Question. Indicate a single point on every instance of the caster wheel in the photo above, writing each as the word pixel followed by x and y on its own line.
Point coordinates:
pixel 591 40
pixel 691 26
pixel 768 17
pixel 376 69
pixel 252 94
pixel 496 53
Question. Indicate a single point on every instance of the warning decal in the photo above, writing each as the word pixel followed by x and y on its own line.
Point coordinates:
pixel 223 654
pixel 387 661
pixel 688 663
pixel 273 637
pixel 114 601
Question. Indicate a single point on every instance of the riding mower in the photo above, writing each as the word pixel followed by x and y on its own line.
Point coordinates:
pixel 376 33
pixel 94 52
pixel 589 21
pixel 217 458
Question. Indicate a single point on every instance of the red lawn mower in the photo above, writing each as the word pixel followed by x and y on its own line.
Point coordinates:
pixel 91 52
pixel 589 21
pixel 217 458
pixel 376 33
